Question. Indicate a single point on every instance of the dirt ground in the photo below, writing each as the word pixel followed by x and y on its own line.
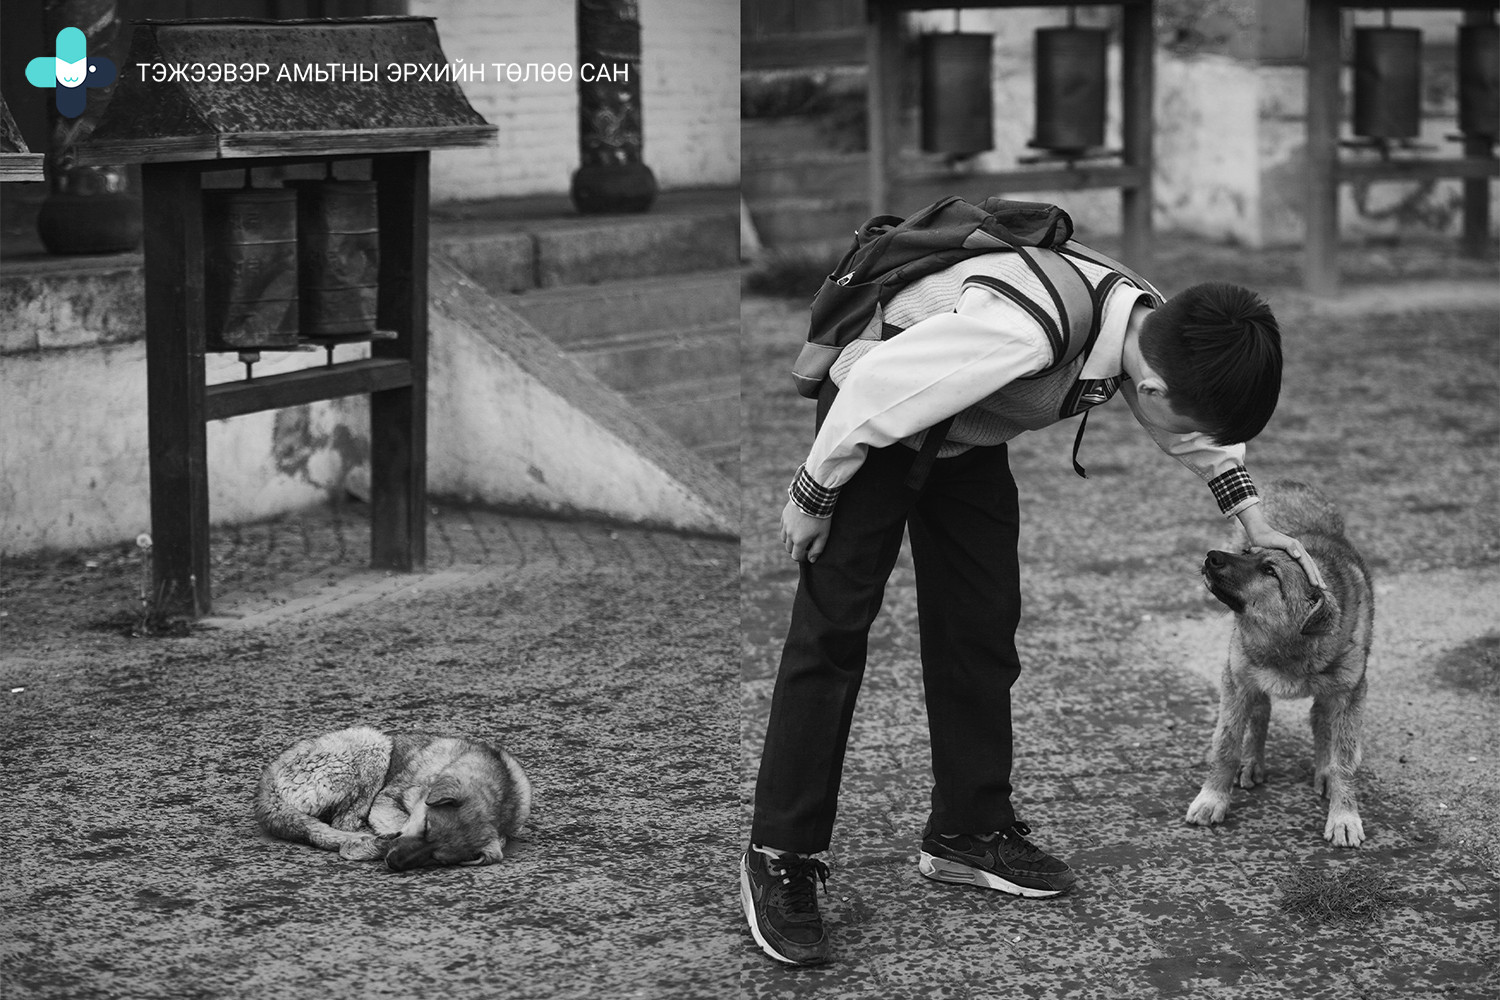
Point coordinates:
pixel 1388 403
pixel 601 656
pixel 607 657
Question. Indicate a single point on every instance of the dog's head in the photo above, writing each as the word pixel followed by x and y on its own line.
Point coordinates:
pixel 1270 587
pixel 460 818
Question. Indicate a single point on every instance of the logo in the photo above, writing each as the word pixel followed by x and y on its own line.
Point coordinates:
pixel 71 71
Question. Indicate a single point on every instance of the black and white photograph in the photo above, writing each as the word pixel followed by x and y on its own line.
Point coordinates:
pixel 831 499
pixel 371 564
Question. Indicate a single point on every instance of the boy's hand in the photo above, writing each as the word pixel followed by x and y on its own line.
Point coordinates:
pixel 803 535
pixel 1260 534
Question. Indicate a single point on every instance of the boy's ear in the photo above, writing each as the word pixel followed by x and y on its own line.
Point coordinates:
pixel 1152 385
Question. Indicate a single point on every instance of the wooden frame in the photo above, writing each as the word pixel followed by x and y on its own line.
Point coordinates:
pixel 180 403
pixel 1325 172
pixel 1133 176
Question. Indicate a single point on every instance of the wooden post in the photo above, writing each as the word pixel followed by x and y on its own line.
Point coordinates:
pixel 176 431
pixel 1476 232
pixel 398 417
pixel 1320 265
pixel 1137 43
pixel 883 89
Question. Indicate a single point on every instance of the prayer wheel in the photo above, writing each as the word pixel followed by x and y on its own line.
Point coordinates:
pixel 1478 86
pixel 957 96
pixel 338 256
pixel 1071 87
pixel 1387 83
pixel 250 265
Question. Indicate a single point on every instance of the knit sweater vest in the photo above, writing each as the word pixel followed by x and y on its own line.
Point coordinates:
pixel 1024 404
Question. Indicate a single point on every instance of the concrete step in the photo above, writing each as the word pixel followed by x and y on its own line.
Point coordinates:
pixel 773 138
pixel 581 313
pixel 512 248
pixel 797 175
pixel 703 414
pixel 785 221
pixel 632 363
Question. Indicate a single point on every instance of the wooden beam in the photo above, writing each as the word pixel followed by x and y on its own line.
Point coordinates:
pixel 176 436
pixel 915 190
pixel 1137 44
pixel 1320 266
pixel 1475 239
pixel 398 416
pixel 883 102
pixel 272 392
pixel 1469 168
pixel 819 48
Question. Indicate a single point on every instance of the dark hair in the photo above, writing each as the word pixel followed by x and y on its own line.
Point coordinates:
pixel 1218 349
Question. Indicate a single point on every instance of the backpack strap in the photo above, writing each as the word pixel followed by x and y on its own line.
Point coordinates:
pixel 927 454
pixel 1076 249
pixel 1074 301
pixel 1078 324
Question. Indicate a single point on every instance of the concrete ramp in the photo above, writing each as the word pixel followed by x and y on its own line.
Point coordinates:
pixel 513 422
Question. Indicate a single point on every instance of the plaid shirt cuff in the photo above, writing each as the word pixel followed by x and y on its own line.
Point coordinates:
pixel 1234 491
pixel 812 499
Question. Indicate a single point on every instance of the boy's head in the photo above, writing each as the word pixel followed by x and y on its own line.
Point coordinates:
pixel 1218 349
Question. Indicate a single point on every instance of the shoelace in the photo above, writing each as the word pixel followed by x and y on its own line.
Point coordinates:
pixel 1017 834
pixel 798 887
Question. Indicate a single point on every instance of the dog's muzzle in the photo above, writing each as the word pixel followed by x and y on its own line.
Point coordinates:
pixel 1215 567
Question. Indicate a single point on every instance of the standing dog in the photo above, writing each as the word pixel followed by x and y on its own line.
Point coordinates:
pixel 413 799
pixel 1292 640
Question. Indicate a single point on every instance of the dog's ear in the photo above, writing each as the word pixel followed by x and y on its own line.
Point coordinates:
pixel 1322 616
pixel 444 792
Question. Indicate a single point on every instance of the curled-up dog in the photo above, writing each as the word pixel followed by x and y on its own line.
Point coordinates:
pixel 1292 640
pixel 414 799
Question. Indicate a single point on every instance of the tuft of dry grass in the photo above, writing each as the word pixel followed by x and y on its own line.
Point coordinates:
pixel 1352 894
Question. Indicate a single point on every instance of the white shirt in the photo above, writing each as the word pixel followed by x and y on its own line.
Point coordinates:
pixel 951 361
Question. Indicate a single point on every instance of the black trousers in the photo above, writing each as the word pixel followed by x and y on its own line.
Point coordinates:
pixel 964 526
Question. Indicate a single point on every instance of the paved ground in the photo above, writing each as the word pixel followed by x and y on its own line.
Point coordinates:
pixel 600 656
pixel 1117 701
pixel 603 657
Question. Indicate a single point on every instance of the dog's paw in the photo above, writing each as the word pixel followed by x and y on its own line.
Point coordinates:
pixel 1208 808
pixel 1344 829
pixel 1252 773
pixel 365 849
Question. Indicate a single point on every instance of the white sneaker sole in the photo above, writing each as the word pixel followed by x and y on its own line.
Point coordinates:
pixel 747 902
pixel 954 873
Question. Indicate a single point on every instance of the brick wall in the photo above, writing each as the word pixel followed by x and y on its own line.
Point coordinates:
pixel 689 83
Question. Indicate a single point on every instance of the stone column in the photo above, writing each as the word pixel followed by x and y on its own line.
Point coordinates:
pixel 612 177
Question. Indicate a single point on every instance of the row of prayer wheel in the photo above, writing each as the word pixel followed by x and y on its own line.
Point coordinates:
pixel 1071 87
pixel 1388 82
pixel 1071 91
pixel 285 265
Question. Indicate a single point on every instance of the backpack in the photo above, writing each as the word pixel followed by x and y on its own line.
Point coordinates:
pixel 890 253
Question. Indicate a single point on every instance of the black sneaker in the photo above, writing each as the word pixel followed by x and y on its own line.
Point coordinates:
pixel 1006 861
pixel 780 896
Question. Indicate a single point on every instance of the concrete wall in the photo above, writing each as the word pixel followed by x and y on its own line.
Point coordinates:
pixel 689 94
pixel 511 422
pixel 73 459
